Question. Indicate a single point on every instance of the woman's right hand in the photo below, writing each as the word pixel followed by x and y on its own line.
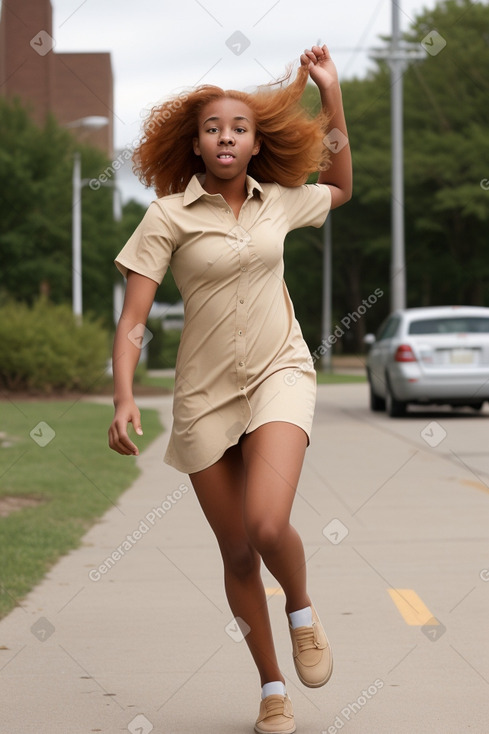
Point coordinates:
pixel 126 412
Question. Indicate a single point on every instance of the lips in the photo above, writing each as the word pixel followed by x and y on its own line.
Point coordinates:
pixel 225 155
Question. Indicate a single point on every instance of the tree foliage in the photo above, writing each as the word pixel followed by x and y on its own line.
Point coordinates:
pixel 446 154
pixel 36 166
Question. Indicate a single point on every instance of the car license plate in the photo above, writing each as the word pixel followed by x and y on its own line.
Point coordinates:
pixel 462 356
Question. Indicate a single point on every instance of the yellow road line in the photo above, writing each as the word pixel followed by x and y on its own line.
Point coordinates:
pixel 272 590
pixel 477 485
pixel 412 609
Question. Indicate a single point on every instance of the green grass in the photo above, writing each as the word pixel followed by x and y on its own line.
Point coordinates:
pixel 76 476
pixel 164 382
pixel 333 378
pixel 323 378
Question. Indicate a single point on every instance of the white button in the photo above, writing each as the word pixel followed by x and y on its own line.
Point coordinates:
pixel 241 300
pixel 240 332
pixel 241 388
pixel 243 269
pixel 241 364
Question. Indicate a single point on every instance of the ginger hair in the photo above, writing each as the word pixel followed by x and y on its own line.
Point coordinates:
pixel 291 140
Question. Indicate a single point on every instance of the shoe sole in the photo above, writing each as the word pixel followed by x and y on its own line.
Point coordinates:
pixel 316 685
pixel 283 731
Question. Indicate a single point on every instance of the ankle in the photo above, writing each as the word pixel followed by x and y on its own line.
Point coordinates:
pixel 273 688
pixel 273 677
pixel 296 605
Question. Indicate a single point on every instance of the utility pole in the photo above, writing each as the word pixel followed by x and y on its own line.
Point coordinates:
pixel 398 57
pixel 326 362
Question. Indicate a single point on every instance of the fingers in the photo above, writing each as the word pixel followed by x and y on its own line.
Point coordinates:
pixel 315 55
pixel 119 438
pixel 119 441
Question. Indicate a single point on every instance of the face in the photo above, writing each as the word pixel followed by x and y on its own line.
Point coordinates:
pixel 226 138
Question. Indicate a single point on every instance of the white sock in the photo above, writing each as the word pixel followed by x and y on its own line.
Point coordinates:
pixel 301 618
pixel 276 687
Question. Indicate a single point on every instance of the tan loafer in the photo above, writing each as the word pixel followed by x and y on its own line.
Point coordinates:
pixel 276 716
pixel 313 658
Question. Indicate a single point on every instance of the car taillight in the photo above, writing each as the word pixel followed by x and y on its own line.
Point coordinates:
pixel 404 353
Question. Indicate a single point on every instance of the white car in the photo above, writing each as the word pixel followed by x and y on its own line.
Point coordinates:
pixel 430 355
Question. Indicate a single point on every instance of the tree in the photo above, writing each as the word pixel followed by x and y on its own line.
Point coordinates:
pixel 36 214
pixel 446 149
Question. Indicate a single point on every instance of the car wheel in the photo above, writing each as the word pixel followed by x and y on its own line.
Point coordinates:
pixel 394 408
pixel 377 404
pixel 477 406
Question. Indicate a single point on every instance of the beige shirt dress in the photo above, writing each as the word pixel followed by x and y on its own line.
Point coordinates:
pixel 242 359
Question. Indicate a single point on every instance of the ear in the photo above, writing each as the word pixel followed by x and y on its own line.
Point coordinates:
pixel 195 143
pixel 256 147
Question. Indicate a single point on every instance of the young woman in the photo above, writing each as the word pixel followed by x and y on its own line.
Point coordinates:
pixel 229 169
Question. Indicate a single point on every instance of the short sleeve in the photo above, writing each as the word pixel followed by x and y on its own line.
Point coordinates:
pixel 149 249
pixel 307 205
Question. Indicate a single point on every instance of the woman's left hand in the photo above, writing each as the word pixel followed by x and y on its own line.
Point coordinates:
pixel 321 67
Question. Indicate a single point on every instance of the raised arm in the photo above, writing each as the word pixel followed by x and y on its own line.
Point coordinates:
pixel 339 175
pixel 140 293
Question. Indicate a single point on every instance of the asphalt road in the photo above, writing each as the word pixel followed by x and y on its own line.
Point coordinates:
pixel 394 514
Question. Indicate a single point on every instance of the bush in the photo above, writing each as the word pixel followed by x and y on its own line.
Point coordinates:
pixel 163 347
pixel 43 349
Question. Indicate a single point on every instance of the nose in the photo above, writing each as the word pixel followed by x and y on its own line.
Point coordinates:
pixel 226 139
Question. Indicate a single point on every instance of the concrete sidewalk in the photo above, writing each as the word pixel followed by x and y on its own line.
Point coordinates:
pixel 132 631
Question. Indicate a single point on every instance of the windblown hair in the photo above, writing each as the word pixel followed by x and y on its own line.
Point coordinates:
pixel 291 147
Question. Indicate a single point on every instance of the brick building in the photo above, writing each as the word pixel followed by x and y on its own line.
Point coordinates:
pixel 71 86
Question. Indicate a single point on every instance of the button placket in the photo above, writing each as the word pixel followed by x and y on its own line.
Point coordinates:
pixel 242 320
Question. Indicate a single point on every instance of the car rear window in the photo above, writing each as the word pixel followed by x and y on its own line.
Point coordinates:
pixel 451 325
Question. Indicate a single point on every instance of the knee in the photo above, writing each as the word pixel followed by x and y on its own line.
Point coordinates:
pixel 240 560
pixel 266 537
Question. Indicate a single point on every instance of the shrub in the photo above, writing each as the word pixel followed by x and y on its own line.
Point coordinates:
pixel 43 349
pixel 163 347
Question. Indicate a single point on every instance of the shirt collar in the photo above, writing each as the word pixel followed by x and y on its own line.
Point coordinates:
pixel 195 190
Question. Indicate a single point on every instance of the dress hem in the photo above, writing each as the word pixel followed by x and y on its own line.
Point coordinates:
pixel 176 465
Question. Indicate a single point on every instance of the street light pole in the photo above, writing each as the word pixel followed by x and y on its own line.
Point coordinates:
pixel 76 240
pixel 92 122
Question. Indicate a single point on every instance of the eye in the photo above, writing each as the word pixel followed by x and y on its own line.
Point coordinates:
pixel 211 129
pixel 240 129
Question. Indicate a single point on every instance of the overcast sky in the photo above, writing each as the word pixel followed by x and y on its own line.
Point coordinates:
pixel 160 47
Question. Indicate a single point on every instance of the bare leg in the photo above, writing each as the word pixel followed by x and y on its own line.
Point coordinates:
pixel 220 490
pixel 273 455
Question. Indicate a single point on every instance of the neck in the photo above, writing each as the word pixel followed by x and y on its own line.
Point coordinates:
pixel 232 190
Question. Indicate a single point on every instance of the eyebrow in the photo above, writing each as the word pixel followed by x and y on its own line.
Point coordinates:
pixel 238 117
